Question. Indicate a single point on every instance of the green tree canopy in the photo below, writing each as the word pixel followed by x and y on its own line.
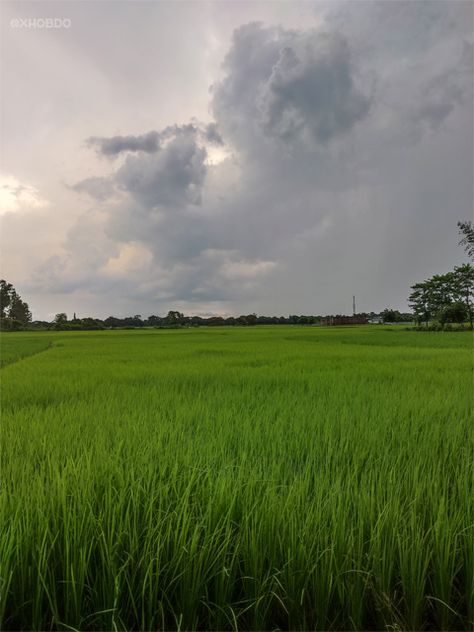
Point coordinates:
pixel 466 230
pixel 435 297
pixel 391 315
pixel 60 319
pixel 14 312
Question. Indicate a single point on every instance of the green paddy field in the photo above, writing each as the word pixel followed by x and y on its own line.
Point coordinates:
pixel 292 478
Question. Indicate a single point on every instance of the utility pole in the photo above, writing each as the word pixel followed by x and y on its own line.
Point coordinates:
pixel 353 305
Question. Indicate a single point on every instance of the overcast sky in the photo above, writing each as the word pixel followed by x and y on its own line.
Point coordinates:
pixel 233 157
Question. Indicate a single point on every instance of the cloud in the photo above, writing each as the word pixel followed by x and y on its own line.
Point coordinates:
pixel 151 142
pixel 97 187
pixel 168 173
pixel 292 86
pixel 247 270
pixel 211 134
pixel 420 57
pixel 148 143
pixel 310 92
pixel 172 178
pixel 444 91
pixel 16 195
pixel 217 275
pixel 133 258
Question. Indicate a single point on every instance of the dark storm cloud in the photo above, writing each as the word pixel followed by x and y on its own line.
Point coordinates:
pixel 290 85
pixel 171 178
pixel 310 92
pixel 420 54
pixel 149 143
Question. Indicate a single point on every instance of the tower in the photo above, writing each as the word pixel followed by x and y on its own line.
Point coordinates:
pixel 353 305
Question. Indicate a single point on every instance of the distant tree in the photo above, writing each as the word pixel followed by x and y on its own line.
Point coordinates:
pixel 195 321
pixel 466 230
pixel 19 310
pixel 90 323
pixel 390 316
pixel 61 318
pixel 112 321
pixel 12 307
pixel 215 321
pixel 154 321
pixel 249 319
pixel 304 320
pixel 174 318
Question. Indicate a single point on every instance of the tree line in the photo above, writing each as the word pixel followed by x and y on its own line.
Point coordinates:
pixel 176 319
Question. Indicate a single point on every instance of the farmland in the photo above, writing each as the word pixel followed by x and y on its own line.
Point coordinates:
pixel 237 479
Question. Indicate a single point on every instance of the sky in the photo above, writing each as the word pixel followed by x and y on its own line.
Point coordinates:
pixel 232 157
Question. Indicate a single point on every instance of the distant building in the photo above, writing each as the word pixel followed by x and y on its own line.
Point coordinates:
pixel 335 321
pixel 376 320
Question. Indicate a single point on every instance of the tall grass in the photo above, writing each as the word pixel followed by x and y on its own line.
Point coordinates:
pixel 14 348
pixel 239 479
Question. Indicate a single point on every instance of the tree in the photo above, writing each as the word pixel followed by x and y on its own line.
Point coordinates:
pixel 463 288
pixel 420 302
pixel 466 229
pixel 6 293
pixel 12 307
pixel 435 296
pixel 174 318
pixel 454 313
pixel 154 321
pixel 441 290
pixel 249 319
pixel 19 310
pixel 391 315
pixel 60 320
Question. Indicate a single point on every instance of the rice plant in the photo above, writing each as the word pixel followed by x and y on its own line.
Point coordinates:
pixel 237 479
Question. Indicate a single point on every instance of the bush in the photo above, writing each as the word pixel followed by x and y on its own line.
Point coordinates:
pixel 437 326
pixel 453 313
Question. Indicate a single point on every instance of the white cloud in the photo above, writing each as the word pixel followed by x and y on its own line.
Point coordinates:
pixel 247 269
pixel 133 259
pixel 16 195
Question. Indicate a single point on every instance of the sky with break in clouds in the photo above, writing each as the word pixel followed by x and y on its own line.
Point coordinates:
pixel 233 157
